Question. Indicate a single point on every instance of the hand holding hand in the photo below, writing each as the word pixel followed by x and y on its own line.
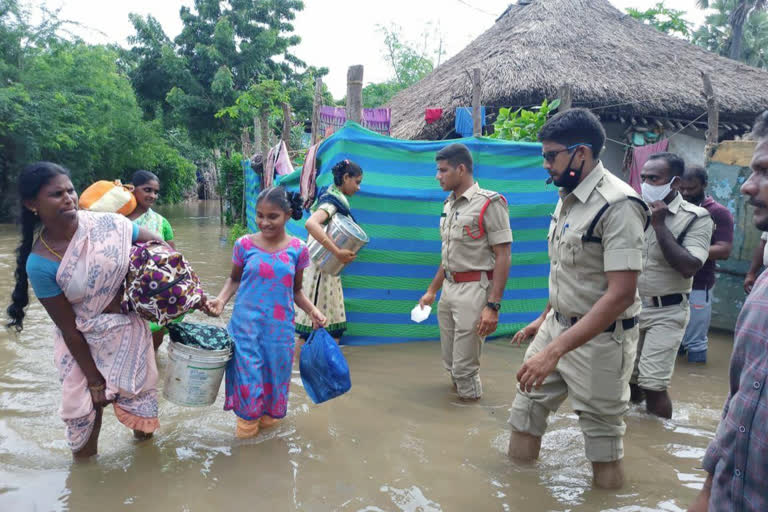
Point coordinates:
pixel 489 320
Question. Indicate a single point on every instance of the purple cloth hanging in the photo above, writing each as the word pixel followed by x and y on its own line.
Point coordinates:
pixel 376 119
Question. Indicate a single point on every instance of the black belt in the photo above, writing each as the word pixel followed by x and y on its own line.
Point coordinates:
pixel 626 323
pixel 668 300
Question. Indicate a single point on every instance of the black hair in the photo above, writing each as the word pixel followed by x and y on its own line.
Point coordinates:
pixel 343 168
pixel 141 177
pixel 697 172
pixel 455 154
pixel 30 181
pixel 760 130
pixel 575 126
pixel 675 164
pixel 290 202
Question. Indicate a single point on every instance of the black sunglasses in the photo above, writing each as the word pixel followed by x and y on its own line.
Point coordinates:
pixel 550 156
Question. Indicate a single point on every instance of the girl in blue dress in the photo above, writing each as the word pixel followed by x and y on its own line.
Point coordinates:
pixel 267 271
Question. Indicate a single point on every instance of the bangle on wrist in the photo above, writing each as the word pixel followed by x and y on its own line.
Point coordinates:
pixel 97 387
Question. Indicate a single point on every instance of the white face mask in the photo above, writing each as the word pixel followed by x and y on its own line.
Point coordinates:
pixel 653 193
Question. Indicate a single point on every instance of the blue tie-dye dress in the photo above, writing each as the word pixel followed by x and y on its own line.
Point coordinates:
pixel 259 374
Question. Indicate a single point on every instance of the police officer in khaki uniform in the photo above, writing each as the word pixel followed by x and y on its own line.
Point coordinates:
pixel 676 247
pixel 585 340
pixel 475 259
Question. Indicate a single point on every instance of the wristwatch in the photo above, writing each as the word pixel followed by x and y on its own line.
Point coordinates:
pixel 494 305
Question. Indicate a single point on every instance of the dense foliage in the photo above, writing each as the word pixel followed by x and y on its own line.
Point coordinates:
pixel 68 102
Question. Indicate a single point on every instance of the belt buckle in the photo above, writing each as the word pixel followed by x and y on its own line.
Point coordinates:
pixel 648 301
pixel 448 275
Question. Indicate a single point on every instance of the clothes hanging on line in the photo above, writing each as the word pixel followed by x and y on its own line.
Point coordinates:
pixel 432 114
pixel 277 162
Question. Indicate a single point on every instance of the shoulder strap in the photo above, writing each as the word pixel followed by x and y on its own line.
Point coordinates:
pixel 685 230
pixel 589 235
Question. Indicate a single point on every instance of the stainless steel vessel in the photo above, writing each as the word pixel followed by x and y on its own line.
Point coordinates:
pixel 346 235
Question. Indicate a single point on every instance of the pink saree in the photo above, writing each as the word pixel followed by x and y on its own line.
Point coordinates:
pixel 91 274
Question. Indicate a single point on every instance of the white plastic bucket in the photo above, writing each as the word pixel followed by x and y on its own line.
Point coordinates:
pixel 193 376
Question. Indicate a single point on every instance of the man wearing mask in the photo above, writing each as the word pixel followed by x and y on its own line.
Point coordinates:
pixel 693 187
pixel 584 342
pixel 735 460
pixel 676 247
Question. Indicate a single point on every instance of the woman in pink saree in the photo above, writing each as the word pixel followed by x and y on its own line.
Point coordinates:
pixel 77 267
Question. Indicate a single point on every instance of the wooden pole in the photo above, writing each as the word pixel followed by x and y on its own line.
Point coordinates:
pixel 565 94
pixel 316 111
pixel 264 121
pixel 355 94
pixel 713 114
pixel 477 116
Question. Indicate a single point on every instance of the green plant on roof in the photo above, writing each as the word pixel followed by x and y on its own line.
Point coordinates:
pixel 522 125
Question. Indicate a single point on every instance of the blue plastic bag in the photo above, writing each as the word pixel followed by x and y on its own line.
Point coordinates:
pixel 324 371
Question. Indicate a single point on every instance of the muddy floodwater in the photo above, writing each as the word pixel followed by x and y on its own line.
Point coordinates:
pixel 400 440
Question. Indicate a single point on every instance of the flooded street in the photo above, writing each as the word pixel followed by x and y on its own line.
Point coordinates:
pixel 398 441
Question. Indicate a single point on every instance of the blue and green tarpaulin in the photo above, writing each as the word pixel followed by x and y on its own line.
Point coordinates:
pixel 399 207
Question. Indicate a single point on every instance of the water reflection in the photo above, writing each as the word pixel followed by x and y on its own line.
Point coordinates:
pixel 399 441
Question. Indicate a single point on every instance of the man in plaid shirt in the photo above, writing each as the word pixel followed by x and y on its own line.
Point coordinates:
pixel 737 459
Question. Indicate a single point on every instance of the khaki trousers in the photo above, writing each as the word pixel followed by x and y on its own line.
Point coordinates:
pixel 595 376
pixel 458 315
pixel 661 332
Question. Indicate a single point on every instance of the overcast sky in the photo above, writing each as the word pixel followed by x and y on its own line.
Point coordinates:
pixel 335 33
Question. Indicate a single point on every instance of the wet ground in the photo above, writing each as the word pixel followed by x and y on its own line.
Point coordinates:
pixel 399 441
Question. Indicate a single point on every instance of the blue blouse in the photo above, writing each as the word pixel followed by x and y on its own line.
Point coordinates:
pixel 42 273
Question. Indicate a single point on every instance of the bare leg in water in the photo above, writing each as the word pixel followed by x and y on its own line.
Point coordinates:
pixel 91 447
pixel 658 403
pixel 525 448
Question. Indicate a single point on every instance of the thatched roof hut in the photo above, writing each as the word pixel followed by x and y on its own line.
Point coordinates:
pixel 629 72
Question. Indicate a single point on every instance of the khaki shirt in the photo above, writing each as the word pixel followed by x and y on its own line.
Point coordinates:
pixel 467 247
pixel 577 277
pixel 658 277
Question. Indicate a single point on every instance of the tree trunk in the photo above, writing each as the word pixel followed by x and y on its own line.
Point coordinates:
pixel 737 39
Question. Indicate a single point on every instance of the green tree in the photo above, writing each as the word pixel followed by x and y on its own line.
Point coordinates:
pixel 739 12
pixel 227 47
pixel 717 36
pixel 669 21
pixel 410 62
pixel 68 102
